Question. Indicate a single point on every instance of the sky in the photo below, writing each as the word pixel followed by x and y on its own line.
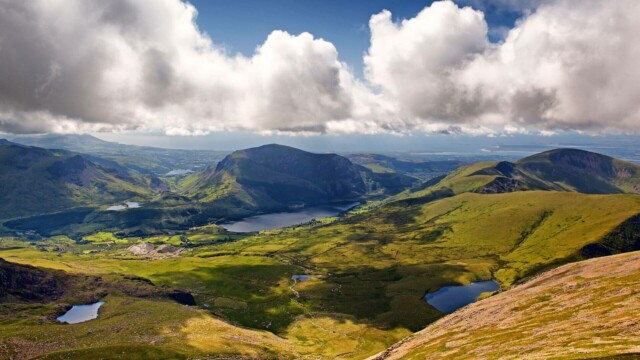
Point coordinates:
pixel 242 26
pixel 320 71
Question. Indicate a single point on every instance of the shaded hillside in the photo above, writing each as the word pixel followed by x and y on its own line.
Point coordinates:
pixel 35 181
pixel 581 310
pixel 275 177
pixel 143 159
pixel 28 284
pixel 558 170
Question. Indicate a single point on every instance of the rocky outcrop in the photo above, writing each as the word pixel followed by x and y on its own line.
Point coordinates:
pixel 28 284
pixel 141 249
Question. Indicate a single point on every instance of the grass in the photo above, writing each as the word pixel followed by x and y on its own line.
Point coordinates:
pixel 375 265
pixel 584 310
pixel 138 328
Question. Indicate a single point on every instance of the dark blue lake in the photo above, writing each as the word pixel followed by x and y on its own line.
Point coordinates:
pixel 450 298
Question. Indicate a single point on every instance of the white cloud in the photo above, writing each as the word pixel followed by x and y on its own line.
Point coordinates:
pixel 78 65
pixel 570 65
pixel 124 64
pixel 414 61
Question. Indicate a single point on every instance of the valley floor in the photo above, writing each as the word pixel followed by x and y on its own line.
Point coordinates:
pixel 374 269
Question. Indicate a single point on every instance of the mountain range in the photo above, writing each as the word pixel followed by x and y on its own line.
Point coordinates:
pixel 348 286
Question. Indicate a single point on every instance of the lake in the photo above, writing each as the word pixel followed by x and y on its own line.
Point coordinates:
pixel 284 219
pixel 450 298
pixel 127 205
pixel 301 278
pixel 178 172
pixel 81 313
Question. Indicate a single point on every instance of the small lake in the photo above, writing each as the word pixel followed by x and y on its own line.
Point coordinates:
pixel 178 172
pixel 81 313
pixel 127 205
pixel 284 219
pixel 450 298
pixel 301 278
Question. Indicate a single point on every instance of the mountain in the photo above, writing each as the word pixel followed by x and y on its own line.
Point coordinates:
pixel 272 177
pixel 35 180
pixel 143 159
pixel 421 169
pixel 571 170
pixel 581 171
pixel 75 142
pixel 581 310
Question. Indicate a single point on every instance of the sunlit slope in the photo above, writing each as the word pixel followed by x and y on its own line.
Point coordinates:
pixel 381 263
pixel 558 170
pixel 138 319
pixel 141 329
pixel 581 310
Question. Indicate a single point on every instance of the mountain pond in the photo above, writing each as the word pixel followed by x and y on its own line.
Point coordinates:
pixel 81 313
pixel 284 219
pixel 127 205
pixel 450 298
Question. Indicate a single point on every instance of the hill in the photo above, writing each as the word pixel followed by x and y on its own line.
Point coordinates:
pixel 558 170
pixel 143 159
pixel 581 310
pixel 382 262
pixel 275 177
pixel 31 298
pixel 418 168
pixel 35 181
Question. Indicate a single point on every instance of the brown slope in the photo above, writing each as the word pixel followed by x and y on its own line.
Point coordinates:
pixel 588 309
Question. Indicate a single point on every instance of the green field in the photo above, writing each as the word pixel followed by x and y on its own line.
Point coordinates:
pixel 374 266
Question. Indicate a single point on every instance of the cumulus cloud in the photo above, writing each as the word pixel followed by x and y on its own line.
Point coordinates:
pixel 72 65
pixel 569 65
pixel 77 65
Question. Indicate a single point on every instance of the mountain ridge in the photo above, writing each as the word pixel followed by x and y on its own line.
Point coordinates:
pixel 277 177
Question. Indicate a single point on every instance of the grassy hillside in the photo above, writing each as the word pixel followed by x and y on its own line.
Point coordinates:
pixel 582 310
pixel 138 321
pixel 558 170
pixel 388 258
pixel 274 177
pixel 35 180
pixel 371 270
pixel 374 268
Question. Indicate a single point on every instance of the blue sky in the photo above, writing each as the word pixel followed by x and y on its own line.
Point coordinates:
pixel 143 72
pixel 240 26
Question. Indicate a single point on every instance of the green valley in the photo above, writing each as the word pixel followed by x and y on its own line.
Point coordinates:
pixel 341 287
